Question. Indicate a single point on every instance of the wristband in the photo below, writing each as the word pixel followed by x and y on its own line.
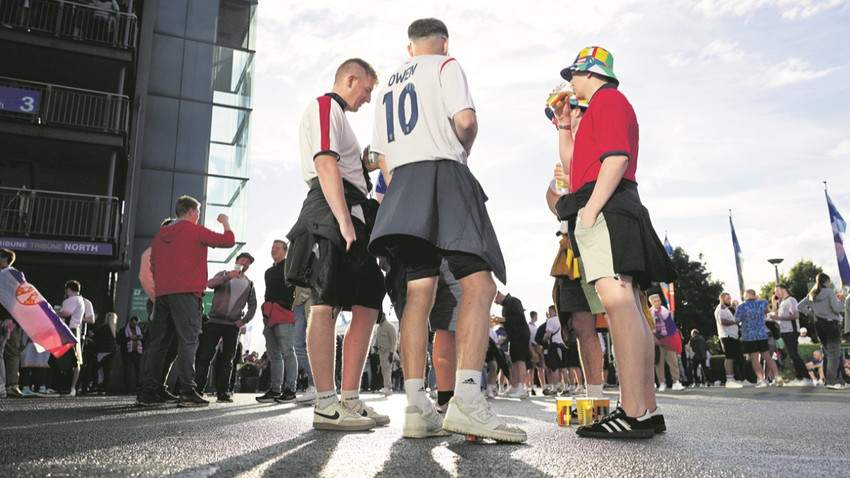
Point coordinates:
pixel 564 128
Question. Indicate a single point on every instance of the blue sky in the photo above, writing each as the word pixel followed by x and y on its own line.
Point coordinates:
pixel 742 105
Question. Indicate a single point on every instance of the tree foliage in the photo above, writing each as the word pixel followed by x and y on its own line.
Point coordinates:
pixel 696 295
pixel 798 279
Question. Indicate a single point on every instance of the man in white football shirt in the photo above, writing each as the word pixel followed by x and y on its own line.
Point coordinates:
pixel 434 209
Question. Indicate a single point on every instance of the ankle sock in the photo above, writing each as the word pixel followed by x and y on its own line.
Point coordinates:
pixel 444 397
pixel 326 399
pixel 349 398
pixel 467 385
pixel 594 391
pixel 414 388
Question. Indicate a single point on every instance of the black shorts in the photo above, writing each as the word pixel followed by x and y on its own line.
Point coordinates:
pixel 344 279
pixel 422 260
pixel 572 355
pixel 519 350
pixel 731 347
pixel 569 297
pixel 754 346
pixel 556 357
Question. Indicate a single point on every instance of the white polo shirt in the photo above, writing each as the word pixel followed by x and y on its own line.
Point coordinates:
pixel 325 130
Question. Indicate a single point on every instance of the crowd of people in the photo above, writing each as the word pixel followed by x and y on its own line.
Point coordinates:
pixel 425 240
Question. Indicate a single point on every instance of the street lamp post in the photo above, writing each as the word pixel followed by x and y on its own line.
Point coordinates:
pixel 776 263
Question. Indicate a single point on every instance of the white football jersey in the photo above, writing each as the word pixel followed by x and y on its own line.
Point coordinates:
pixel 413 119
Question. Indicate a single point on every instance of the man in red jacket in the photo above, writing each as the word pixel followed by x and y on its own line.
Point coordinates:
pixel 179 266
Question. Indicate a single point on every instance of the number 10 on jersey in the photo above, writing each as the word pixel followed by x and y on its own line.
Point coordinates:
pixel 408 95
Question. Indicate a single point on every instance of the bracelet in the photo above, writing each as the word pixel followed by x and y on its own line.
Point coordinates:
pixel 564 128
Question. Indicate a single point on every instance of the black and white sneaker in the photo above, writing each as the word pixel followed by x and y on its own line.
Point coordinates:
pixel 286 396
pixel 658 421
pixel 618 425
pixel 268 397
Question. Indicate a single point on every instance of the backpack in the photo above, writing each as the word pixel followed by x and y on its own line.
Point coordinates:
pixel 540 336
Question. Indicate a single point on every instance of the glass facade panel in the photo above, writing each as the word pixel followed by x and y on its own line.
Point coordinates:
pixel 233 77
pixel 226 196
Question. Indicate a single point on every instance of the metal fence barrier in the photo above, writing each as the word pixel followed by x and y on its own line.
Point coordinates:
pixel 73 20
pixel 43 103
pixel 30 212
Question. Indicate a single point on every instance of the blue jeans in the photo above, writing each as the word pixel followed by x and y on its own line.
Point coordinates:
pixel 280 341
pixel 301 342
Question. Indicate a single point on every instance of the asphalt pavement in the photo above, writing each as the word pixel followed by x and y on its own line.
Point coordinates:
pixel 713 432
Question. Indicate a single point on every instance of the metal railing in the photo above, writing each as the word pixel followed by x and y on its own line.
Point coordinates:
pixel 44 103
pixel 69 19
pixel 30 212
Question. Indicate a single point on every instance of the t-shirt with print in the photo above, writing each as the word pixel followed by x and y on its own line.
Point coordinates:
pixel 608 128
pixel 787 307
pixel 752 314
pixel 413 121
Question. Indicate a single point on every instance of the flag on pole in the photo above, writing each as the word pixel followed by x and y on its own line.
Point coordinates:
pixel 839 229
pixel 739 257
pixel 667 246
pixel 669 290
pixel 34 314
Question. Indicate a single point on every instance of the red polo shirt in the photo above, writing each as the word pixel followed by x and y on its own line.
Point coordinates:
pixel 608 128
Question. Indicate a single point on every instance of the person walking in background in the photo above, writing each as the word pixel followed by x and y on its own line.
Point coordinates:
pixel 701 359
pixel 669 343
pixel 234 304
pixel 179 266
pixel 788 318
pixel 727 332
pixel 130 340
pixel 386 342
pixel 279 330
pixel 73 308
pixel 754 334
pixel 823 305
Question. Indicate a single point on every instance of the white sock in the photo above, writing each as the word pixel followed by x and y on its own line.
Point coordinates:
pixel 349 398
pixel 326 399
pixel 467 385
pixel 414 388
pixel 730 378
pixel 594 391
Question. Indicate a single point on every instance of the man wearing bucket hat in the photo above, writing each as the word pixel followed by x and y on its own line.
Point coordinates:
pixel 612 232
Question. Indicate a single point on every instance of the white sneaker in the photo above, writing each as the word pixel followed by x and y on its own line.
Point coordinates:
pixel 518 392
pixel 836 386
pixel 419 424
pixel 662 387
pixel 477 419
pixel 491 392
pixel 734 384
pixel 386 391
pixel 72 393
pixel 366 411
pixel 45 392
pixel 678 386
pixel 340 418
pixel 761 384
pixel 307 397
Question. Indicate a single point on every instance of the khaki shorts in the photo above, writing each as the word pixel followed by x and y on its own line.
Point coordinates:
pixel 594 243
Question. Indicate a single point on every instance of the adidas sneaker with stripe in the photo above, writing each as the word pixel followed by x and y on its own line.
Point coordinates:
pixel 618 425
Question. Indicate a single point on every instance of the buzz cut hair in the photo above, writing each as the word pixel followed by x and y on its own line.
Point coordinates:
pixel 355 63
pixel 425 27
pixel 184 204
